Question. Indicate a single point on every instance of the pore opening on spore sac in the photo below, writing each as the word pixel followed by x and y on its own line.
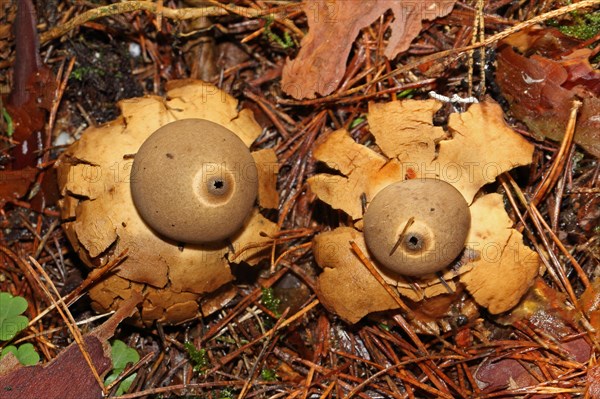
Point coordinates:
pixel 217 186
pixel 413 242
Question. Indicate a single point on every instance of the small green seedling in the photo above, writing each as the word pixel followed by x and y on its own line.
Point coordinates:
pixel 11 319
pixel 122 355
pixel 357 122
pixel 10 128
pixel 408 93
pixel 11 323
pixel 198 357
pixel 25 354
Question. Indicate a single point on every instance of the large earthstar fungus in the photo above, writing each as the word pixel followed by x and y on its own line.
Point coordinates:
pixel 189 200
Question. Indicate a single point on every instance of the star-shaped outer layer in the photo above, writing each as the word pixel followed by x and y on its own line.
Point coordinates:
pixel 496 267
pixel 101 220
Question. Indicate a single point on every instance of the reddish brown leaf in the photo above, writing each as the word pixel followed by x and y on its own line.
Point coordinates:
pixel 541 90
pixel 33 89
pixel 30 99
pixel 547 310
pixel 15 183
pixel 333 27
pixel 592 388
pixel 504 373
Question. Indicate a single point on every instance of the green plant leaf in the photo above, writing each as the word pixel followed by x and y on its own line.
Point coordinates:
pixel 121 356
pixel 26 354
pixel 125 384
pixel 268 375
pixel 11 320
pixel 10 128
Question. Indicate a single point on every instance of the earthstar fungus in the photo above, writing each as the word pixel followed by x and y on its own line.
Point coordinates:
pixel 495 267
pixel 179 281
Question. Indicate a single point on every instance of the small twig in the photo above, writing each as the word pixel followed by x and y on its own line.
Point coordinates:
pixel 402 234
pixel 157 8
pixel 267 344
pixel 231 356
pixel 67 317
pixel 129 370
pixel 560 157
pixel 365 261
pixel 75 294
pixel 125 7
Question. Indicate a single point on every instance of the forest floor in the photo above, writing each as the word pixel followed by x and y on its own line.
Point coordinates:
pixel 275 338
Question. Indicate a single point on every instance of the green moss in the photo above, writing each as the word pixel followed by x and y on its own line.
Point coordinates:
pixel 285 42
pixel 226 393
pixel 84 71
pixel 585 26
pixel 270 301
pixel 268 375
pixel 198 357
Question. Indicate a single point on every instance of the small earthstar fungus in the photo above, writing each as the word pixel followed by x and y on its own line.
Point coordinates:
pixel 145 183
pixel 428 229
pixel 417 227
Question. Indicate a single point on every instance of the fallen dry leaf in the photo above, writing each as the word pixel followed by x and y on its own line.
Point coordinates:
pixel 101 219
pixel 498 374
pixel 547 310
pixel 590 305
pixel 480 146
pixel 30 98
pixel 54 380
pixel 333 27
pixel 541 88
pixel 14 184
